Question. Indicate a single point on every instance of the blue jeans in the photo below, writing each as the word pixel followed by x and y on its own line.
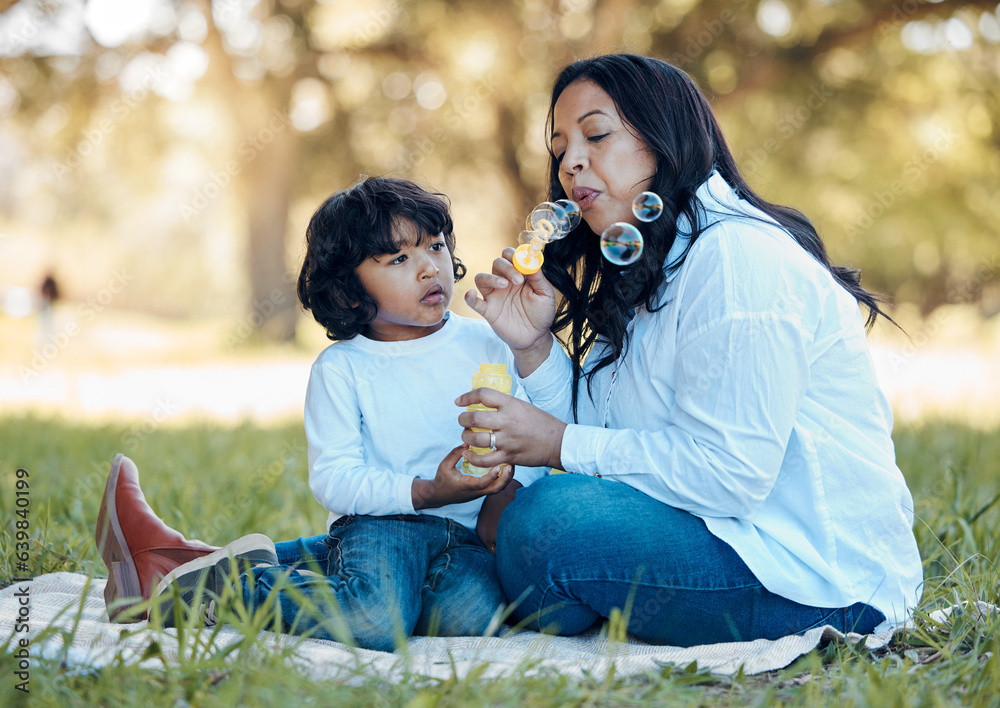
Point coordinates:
pixel 381 579
pixel 578 547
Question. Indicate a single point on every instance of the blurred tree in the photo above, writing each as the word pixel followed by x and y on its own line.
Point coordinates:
pixel 878 119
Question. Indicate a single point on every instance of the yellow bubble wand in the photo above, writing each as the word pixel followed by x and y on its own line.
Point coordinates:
pixel 549 221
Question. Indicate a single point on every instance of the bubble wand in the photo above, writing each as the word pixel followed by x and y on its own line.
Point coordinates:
pixel 547 222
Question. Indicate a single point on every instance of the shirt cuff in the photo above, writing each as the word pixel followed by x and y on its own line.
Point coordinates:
pixel 527 475
pixel 550 378
pixel 581 447
pixel 404 495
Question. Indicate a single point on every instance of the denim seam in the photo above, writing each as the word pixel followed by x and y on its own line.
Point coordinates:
pixel 552 586
pixel 824 621
pixel 334 559
pixel 657 585
pixel 542 605
pixel 432 582
pixel 449 541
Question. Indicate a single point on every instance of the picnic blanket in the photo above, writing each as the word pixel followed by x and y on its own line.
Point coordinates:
pixel 67 601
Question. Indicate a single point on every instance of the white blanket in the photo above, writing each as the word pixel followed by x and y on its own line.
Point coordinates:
pixel 58 600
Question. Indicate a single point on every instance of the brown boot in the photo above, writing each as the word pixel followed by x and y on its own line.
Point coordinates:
pixel 137 547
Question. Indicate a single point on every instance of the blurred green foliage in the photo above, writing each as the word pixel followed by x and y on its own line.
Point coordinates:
pixel 180 143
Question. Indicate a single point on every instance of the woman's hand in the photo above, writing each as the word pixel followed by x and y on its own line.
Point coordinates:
pixel 450 486
pixel 520 308
pixel 524 434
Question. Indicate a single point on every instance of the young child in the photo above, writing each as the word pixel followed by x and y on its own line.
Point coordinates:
pixel 402 556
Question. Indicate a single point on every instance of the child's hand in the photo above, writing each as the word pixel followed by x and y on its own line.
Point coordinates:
pixel 450 486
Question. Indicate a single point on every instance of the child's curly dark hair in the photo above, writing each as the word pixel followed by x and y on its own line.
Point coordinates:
pixel 353 225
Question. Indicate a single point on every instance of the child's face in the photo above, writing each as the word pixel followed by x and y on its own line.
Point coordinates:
pixel 412 288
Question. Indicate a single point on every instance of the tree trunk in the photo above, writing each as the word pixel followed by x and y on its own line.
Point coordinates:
pixel 266 154
pixel 268 182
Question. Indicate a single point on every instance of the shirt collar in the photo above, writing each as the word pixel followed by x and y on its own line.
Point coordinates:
pixel 714 196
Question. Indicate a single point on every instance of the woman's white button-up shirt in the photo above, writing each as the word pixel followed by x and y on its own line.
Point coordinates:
pixel 750 400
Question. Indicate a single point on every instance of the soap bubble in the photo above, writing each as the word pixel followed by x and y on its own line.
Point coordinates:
pixel 621 243
pixel 573 214
pixel 543 221
pixel 531 238
pixel 647 207
pixel 549 220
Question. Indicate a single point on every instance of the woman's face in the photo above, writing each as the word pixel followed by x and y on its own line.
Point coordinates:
pixel 603 166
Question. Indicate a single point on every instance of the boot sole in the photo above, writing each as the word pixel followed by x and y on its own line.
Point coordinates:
pixel 123 578
pixel 246 552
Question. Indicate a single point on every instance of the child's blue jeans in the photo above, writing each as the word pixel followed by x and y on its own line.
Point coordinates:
pixel 380 580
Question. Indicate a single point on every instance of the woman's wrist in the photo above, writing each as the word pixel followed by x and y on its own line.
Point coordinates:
pixel 533 356
pixel 555 453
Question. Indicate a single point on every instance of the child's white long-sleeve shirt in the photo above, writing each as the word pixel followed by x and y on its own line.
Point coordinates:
pixel 380 414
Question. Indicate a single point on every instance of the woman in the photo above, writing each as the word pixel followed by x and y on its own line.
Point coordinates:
pixel 732 471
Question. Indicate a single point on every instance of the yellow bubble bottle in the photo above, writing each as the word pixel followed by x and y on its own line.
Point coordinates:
pixel 493 376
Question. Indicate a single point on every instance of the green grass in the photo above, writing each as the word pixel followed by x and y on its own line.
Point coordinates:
pixel 216 484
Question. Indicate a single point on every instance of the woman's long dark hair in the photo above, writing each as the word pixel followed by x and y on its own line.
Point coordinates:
pixel 666 110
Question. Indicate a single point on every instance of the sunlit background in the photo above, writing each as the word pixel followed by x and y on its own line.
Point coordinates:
pixel 159 160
